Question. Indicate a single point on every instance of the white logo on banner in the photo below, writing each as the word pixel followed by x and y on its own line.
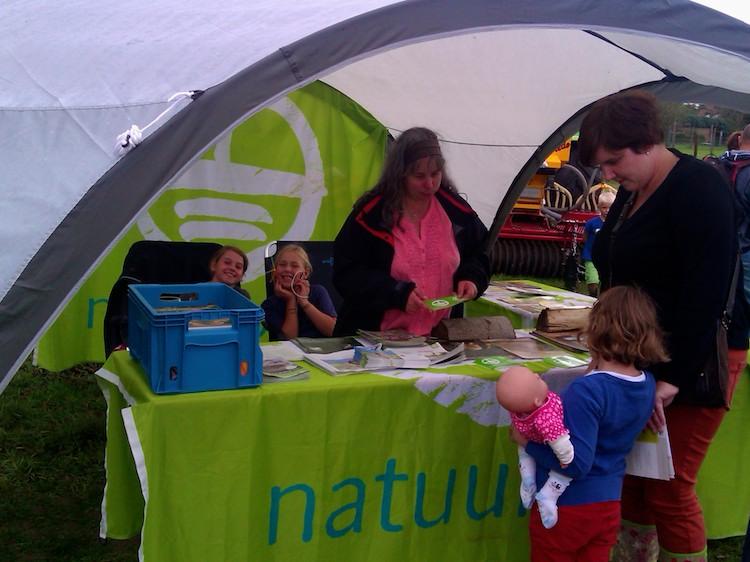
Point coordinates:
pixel 219 219
pixel 475 396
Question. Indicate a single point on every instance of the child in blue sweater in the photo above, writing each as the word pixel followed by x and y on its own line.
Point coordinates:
pixel 604 411
pixel 592 226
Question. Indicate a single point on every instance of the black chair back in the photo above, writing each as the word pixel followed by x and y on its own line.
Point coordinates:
pixel 153 261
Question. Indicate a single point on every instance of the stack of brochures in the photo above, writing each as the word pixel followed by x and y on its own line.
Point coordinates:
pixel 379 355
pixel 276 370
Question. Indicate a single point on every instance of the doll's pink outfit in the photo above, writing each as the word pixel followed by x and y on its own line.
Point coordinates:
pixel 543 425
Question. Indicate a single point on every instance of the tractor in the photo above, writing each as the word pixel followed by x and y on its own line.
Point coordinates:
pixel 543 233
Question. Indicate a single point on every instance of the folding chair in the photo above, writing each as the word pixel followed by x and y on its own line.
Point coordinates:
pixel 153 261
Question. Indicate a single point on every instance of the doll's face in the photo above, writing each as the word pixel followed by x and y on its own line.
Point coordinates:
pixel 521 390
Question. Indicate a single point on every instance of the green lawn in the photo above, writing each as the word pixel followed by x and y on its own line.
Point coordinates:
pixel 52 476
pixel 703 150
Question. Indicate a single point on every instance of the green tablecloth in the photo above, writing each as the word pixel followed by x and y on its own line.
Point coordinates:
pixel 364 467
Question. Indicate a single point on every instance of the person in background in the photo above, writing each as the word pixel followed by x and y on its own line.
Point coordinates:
pixel 736 164
pixel 603 203
pixel 296 308
pixel 409 238
pixel 228 265
pixel 733 140
pixel 671 231
pixel 604 411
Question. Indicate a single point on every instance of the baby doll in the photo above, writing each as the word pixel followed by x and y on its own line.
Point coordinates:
pixel 537 414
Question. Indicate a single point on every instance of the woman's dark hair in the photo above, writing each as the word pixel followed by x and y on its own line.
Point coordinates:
pixel 411 146
pixel 624 120
pixel 223 250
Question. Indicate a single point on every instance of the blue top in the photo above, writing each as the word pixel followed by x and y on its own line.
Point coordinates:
pixel 604 412
pixel 592 227
pixel 275 309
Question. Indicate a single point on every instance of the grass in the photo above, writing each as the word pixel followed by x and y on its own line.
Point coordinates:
pixel 703 150
pixel 52 436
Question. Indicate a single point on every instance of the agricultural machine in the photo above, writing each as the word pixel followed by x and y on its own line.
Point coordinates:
pixel 543 233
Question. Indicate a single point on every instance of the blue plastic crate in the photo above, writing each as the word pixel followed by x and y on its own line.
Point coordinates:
pixel 188 338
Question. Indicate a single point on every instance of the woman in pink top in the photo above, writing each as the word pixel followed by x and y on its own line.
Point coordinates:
pixel 410 238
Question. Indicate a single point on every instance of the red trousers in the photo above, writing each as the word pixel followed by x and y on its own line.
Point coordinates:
pixel 584 533
pixel 673 505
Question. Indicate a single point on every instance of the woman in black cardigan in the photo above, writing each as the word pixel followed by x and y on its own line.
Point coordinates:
pixel 671 232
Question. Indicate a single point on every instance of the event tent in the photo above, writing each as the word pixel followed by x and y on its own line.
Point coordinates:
pixel 502 81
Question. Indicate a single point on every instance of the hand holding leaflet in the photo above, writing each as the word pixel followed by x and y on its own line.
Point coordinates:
pixel 441 303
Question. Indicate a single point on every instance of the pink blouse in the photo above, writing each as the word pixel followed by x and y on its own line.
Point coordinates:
pixel 430 260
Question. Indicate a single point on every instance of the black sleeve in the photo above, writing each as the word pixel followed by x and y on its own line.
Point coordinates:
pixel 361 270
pixel 475 263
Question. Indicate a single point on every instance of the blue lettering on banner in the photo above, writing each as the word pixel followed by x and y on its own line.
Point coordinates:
pixel 388 478
pixel 348 518
pixel 92 303
pixel 357 505
pixel 276 495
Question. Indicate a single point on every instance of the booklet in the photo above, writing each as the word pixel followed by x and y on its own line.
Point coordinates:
pixel 531 348
pixel 440 303
pixel 651 456
pixel 391 338
pixel 572 340
pixel 337 363
pixel 362 359
pixel 281 369
pixel 325 345
pixel 304 375
pixel 434 354
pixel 282 349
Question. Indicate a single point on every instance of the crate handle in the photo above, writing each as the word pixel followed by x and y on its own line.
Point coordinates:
pixel 181 297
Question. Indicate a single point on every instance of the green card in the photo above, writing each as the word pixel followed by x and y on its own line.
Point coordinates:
pixel 440 303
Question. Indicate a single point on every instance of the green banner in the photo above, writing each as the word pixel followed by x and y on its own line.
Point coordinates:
pixel 290 172
pixel 364 467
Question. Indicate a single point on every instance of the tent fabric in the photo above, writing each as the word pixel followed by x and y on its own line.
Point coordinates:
pixel 497 80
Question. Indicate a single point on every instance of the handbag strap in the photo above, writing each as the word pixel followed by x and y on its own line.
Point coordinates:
pixel 726 316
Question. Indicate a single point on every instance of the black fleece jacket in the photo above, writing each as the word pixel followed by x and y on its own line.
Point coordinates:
pixel 363 253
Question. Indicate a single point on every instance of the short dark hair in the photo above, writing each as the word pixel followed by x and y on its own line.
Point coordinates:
pixel 624 120
pixel 623 327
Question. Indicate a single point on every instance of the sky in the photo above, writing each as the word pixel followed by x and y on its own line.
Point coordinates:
pixel 739 9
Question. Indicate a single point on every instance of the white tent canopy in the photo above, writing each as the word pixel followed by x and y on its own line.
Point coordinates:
pixel 501 81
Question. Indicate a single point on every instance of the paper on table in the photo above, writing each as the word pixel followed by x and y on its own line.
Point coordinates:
pixel 651 456
pixel 281 350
